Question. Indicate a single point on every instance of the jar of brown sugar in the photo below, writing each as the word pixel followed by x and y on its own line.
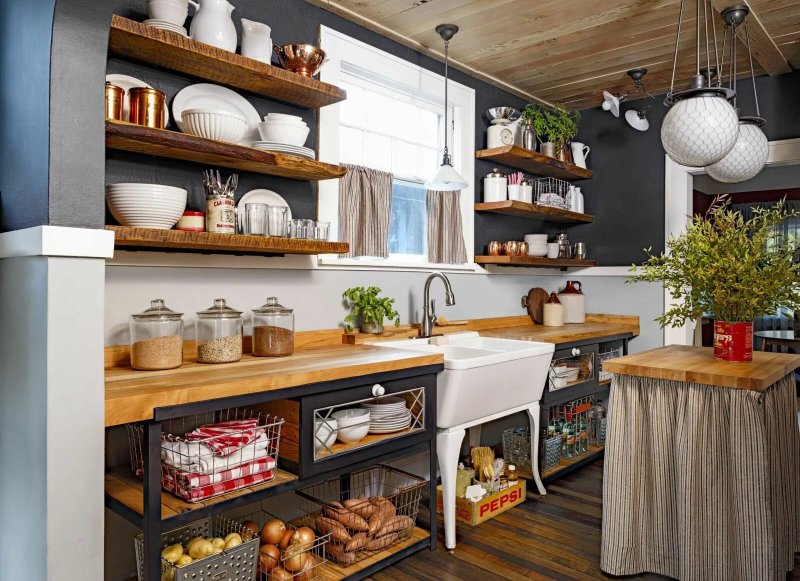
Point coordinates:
pixel 156 338
pixel 273 330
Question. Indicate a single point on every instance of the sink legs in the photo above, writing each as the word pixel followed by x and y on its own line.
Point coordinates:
pixel 533 416
pixel 448 447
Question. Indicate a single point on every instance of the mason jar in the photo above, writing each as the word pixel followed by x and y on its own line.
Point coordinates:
pixel 273 330
pixel 219 334
pixel 156 338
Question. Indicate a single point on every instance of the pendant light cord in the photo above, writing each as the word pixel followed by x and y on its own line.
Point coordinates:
pixel 446 106
pixel 675 59
pixel 752 72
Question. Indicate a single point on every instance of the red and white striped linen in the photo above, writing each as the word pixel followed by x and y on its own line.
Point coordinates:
pixel 226 437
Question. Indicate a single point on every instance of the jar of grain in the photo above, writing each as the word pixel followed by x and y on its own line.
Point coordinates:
pixel 219 334
pixel 157 338
pixel 273 330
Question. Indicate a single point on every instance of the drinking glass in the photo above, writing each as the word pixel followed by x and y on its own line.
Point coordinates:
pixel 308 228
pixel 276 217
pixel 322 230
pixel 297 229
pixel 255 222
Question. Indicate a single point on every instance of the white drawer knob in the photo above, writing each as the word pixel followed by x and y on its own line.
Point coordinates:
pixel 576 351
pixel 378 390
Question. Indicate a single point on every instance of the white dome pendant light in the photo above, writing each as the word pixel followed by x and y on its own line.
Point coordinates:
pixel 701 126
pixel 749 154
pixel 447 179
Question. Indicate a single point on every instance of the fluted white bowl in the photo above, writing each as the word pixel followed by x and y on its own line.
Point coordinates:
pixel 146 205
pixel 217 125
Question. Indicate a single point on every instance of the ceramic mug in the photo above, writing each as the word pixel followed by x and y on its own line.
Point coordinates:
pixel 511 248
pixel 495 248
pixel 522 249
pixel 174 11
pixel 553 249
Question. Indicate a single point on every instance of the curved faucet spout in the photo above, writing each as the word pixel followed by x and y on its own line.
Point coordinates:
pixel 428 308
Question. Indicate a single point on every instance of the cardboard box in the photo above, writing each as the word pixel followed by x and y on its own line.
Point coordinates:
pixel 474 513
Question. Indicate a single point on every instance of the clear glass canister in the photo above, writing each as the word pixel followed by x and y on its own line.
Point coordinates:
pixel 156 338
pixel 273 330
pixel 219 334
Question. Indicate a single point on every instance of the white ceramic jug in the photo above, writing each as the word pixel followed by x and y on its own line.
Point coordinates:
pixel 212 24
pixel 580 152
pixel 256 40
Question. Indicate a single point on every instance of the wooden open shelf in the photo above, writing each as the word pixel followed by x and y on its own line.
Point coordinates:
pixel 525 210
pixel 532 162
pixel 130 237
pixel 368 440
pixel 139 42
pixel 534 261
pixel 334 572
pixel 175 145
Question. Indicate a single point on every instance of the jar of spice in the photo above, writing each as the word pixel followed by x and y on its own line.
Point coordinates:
pixel 157 338
pixel 219 334
pixel 273 330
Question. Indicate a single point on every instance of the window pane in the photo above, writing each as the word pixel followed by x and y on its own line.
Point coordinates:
pixel 406 121
pixel 352 110
pixel 429 160
pixel 378 152
pixel 428 130
pixel 380 112
pixel 351 145
pixel 407 230
pixel 405 162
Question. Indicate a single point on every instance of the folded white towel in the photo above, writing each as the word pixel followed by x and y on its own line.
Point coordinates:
pixel 200 459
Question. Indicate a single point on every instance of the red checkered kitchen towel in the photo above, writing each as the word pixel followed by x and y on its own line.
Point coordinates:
pixel 195 487
pixel 226 437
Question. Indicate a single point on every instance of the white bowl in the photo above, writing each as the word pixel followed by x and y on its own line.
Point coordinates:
pixel 217 125
pixel 288 133
pixel 352 424
pixel 298 122
pixel 324 433
pixel 284 117
pixel 536 238
pixel 537 250
pixel 146 205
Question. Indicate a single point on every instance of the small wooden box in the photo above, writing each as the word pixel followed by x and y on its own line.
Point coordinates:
pixel 474 513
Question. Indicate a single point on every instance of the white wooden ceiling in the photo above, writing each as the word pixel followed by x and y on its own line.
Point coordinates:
pixel 569 51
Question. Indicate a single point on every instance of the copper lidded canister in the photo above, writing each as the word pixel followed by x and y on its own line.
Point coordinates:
pixel 147 107
pixel 115 96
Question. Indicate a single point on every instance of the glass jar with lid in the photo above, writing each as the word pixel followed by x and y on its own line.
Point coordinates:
pixel 273 330
pixel 219 334
pixel 156 338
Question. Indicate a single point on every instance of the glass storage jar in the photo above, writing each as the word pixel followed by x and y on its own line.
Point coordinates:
pixel 273 330
pixel 156 338
pixel 219 334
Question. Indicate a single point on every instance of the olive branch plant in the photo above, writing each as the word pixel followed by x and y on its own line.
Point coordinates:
pixel 722 264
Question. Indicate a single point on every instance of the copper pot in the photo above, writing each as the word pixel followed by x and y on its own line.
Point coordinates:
pixel 305 59
pixel 564 154
pixel 115 96
pixel 495 248
pixel 522 249
pixel 511 248
pixel 148 107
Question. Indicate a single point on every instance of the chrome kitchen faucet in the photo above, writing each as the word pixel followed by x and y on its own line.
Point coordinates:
pixel 429 306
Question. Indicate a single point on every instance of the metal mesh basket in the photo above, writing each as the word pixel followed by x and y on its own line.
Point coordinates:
pixel 605 356
pixel 552 192
pixel 236 564
pixel 517 447
pixel 551 452
pixel 196 466
pixel 366 492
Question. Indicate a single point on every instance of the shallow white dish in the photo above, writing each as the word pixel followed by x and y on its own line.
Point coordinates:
pixel 127 83
pixel 287 133
pixel 324 433
pixel 264 197
pixel 284 117
pixel 165 25
pixel 216 98
pixel 221 126
pixel 353 424
pixel 283 148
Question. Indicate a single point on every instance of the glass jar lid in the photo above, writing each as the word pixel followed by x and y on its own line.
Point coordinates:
pixel 220 310
pixel 495 173
pixel 272 307
pixel 157 311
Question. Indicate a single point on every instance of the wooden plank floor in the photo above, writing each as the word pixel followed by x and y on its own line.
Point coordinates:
pixel 556 537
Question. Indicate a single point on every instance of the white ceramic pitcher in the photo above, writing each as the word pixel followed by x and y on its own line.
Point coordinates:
pixel 256 40
pixel 212 24
pixel 580 152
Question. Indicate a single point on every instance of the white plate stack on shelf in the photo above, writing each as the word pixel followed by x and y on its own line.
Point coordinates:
pixel 284 134
pixel 166 25
pixel 387 415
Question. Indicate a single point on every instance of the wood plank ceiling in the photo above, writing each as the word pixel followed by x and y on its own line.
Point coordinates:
pixel 570 51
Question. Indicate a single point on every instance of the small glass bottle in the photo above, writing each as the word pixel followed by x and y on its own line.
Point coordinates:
pixel 511 474
pixel 273 330
pixel 156 338
pixel 219 334
pixel 597 420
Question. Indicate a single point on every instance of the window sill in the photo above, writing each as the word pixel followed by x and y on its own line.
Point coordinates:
pixel 335 263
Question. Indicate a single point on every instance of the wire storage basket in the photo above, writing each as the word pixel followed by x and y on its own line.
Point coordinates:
pixel 606 356
pixel 237 563
pixel 552 192
pixel 210 454
pixel 517 447
pixel 365 512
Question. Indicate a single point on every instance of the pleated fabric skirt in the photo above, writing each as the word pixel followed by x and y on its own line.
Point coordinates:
pixel 701 482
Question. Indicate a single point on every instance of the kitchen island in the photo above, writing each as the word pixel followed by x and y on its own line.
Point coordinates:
pixel 702 471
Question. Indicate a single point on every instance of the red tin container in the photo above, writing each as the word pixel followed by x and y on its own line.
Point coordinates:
pixel 733 341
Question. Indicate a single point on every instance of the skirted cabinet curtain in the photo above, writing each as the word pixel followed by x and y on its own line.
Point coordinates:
pixel 445 231
pixel 365 208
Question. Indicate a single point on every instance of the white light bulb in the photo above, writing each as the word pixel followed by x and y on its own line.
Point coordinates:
pixel 746 159
pixel 699 131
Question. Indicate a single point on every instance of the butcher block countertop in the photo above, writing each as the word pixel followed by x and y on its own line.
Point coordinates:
pixel 697 365
pixel 564 334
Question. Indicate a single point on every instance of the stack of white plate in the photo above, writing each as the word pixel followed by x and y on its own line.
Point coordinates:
pixel 283 148
pixel 387 415
pixel 166 25
pixel 146 205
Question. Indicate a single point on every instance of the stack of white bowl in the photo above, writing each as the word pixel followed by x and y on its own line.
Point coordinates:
pixel 224 126
pixel 537 244
pixel 279 128
pixel 146 205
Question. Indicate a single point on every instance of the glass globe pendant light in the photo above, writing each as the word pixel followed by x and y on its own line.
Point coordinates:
pixel 749 154
pixel 447 179
pixel 701 126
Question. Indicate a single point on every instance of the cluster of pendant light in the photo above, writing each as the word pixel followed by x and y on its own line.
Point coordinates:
pixel 703 127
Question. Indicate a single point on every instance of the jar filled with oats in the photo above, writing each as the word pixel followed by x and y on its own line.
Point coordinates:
pixel 156 338
pixel 273 330
pixel 219 334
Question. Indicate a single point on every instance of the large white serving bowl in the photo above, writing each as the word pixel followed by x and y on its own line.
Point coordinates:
pixel 288 133
pixel 352 424
pixel 217 125
pixel 146 205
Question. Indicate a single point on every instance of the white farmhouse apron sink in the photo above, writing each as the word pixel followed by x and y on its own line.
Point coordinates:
pixel 483 379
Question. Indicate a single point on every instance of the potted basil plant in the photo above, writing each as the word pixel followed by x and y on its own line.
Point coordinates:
pixel 554 128
pixel 731 268
pixel 369 309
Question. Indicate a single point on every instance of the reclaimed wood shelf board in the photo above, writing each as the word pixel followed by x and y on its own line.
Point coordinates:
pixel 535 163
pixel 136 41
pixel 534 261
pixel 334 572
pixel 130 237
pixel 368 440
pixel 525 210
pixel 175 145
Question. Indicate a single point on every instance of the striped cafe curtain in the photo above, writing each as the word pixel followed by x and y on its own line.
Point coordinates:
pixel 445 233
pixel 365 204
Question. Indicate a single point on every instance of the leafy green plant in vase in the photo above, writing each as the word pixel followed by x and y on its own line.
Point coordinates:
pixel 369 309
pixel 564 129
pixel 554 128
pixel 730 268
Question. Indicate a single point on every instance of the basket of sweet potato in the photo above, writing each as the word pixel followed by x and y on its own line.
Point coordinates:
pixel 364 512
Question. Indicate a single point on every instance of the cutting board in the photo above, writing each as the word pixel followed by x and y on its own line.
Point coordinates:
pixel 534 301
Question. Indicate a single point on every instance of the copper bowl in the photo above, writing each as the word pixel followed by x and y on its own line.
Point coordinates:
pixel 305 59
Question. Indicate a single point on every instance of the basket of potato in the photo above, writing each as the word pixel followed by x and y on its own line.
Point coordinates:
pixel 286 552
pixel 217 544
